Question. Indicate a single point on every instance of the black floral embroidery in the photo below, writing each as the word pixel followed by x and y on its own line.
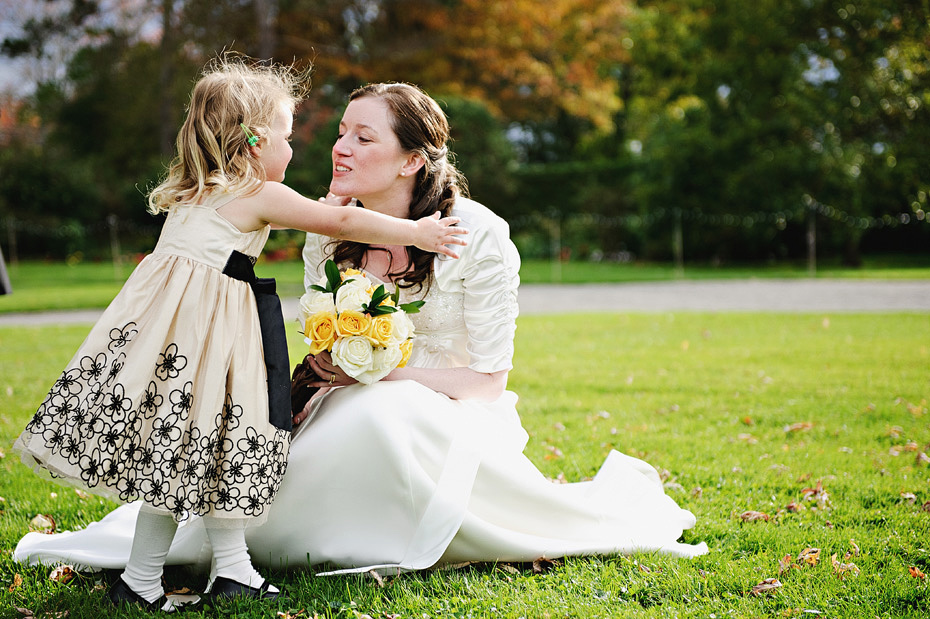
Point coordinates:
pixel 112 438
pixel 93 467
pixel 116 404
pixel 121 337
pixel 155 489
pixel 54 438
pixel 145 444
pixel 165 430
pixel 151 401
pixel 226 497
pixel 115 368
pixel 182 400
pixel 68 383
pixel 235 470
pixel 253 443
pixel 171 363
pixel 254 503
pixel 92 368
pixel 71 450
pixel 128 488
pixel 231 414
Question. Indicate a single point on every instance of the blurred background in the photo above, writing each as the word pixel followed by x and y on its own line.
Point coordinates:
pixel 680 131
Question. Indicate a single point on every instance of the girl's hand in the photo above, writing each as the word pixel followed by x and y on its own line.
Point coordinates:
pixel 332 199
pixel 433 234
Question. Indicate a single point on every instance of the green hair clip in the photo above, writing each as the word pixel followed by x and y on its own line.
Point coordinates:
pixel 250 137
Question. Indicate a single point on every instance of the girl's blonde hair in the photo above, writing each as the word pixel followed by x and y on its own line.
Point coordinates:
pixel 212 148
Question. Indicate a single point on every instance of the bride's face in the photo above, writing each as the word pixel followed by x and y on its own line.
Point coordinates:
pixel 367 156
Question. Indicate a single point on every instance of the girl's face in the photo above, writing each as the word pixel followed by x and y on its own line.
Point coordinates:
pixel 276 151
pixel 367 156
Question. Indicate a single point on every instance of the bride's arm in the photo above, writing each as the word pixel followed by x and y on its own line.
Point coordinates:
pixel 457 383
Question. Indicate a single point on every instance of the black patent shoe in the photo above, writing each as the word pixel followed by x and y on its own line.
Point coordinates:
pixel 226 588
pixel 120 593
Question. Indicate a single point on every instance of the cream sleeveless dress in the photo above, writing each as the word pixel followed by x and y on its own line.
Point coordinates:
pixel 166 400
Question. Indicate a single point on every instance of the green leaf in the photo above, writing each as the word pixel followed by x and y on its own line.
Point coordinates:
pixel 333 278
pixel 413 307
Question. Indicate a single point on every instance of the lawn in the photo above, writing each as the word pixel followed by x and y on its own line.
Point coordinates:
pixel 56 285
pixel 800 441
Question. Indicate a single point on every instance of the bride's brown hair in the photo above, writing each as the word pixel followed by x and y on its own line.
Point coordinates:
pixel 422 128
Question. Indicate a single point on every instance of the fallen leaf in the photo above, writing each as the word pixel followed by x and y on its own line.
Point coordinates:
pixel 854 550
pixel 916 573
pixel 909 497
pixel 697 493
pixel 794 507
pixel 895 431
pixel 42 523
pixel 923 458
pixel 926 506
pixel 799 426
pixel 819 494
pixel 16 584
pixel 841 569
pixel 378 579
pixel 543 565
pixel 81 494
pixel 911 446
pixel 62 574
pixel 766 586
pixel 25 612
pixel 811 556
pixel 785 564
pixel 752 516
pixel 749 438
pixel 181 591
pixel 509 568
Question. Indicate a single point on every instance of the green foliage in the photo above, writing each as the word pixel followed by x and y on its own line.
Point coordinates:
pixel 739 412
pixel 613 121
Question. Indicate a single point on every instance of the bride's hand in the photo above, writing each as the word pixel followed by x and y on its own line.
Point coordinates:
pixel 324 367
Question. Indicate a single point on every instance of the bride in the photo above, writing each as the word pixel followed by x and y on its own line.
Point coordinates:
pixel 425 467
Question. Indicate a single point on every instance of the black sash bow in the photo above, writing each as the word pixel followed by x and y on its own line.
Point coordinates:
pixel 274 338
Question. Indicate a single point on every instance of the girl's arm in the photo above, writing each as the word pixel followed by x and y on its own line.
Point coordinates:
pixel 282 207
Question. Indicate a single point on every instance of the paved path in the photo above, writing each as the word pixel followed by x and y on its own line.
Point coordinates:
pixel 776 295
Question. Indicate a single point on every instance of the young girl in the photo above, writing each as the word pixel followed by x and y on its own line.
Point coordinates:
pixel 179 395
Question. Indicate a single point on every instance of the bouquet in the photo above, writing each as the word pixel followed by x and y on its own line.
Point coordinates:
pixel 364 327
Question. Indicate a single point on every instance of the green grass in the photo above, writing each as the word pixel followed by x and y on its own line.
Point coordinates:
pixel 742 411
pixel 49 285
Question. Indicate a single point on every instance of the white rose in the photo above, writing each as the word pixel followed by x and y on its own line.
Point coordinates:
pixel 353 354
pixel 353 295
pixel 314 302
pixel 403 326
pixel 383 361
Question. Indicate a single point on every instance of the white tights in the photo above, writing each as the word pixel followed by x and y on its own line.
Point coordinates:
pixel 152 539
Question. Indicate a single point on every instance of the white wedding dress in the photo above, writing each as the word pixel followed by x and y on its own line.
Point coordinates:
pixel 394 476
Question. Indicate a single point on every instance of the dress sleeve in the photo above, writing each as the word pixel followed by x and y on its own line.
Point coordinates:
pixel 490 278
pixel 315 256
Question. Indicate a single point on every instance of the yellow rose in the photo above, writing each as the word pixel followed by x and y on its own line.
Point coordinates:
pixel 320 330
pixel 351 322
pixel 406 347
pixel 349 273
pixel 381 330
